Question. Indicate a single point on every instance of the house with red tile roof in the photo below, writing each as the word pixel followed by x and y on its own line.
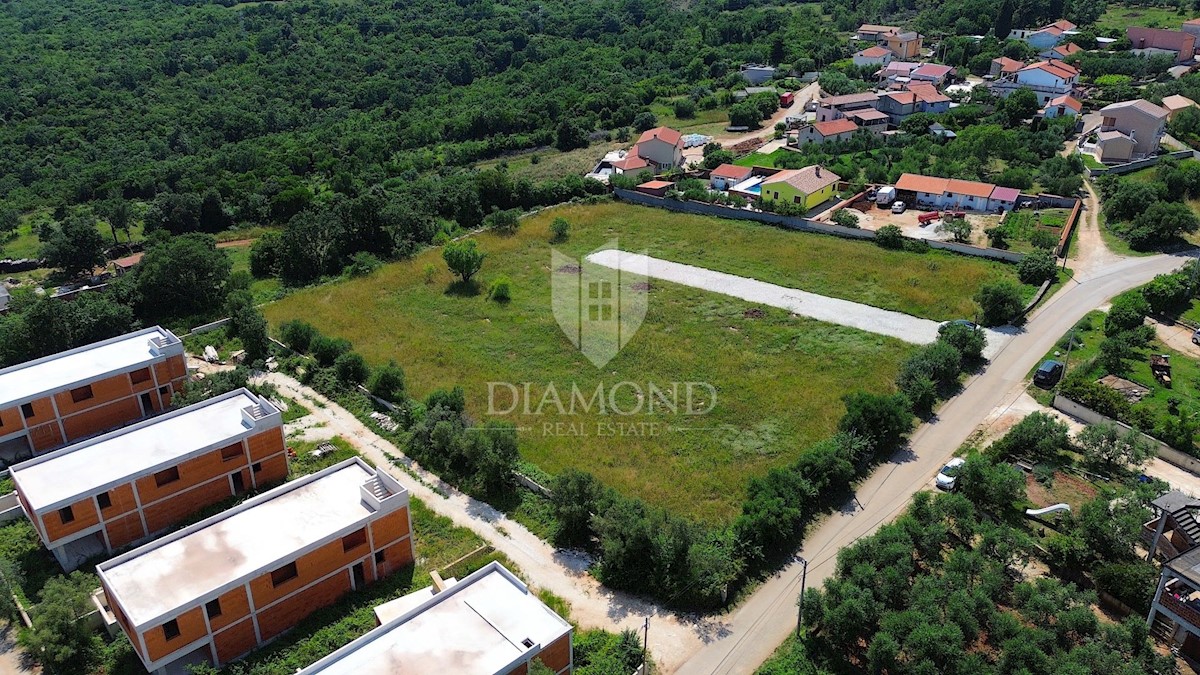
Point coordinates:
pixel 823 132
pixel 952 193
pixel 807 187
pixel 727 175
pixel 1046 79
pixel 660 146
pixel 1130 130
pixel 1174 103
pixel 872 56
pixel 1063 106
pixel 1005 66
pixel 1150 41
pixel 934 73
pixel 1061 51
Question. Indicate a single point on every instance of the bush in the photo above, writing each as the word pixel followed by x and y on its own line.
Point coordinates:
pixel 297 334
pixel 1037 267
pixel 1133 583
pixel 504 222
pixel 882 420
pixel 1128 311
pixel 463 258
pixel 501 290
pixel 997 237
pixel 1104 400
pixel 890 236
pixel 453 400
pixel 264 255
pixel 388 382
pixel 969 341
pixel 351 369
pixel 362 264
pixel 326 350
pixel 1038 437
pixel 958 228
pixel 1043 239
pixel 999 302
pixel 846 218
pixel 685 109
pixel 1168 293
pixel 61 642
pixel 559 229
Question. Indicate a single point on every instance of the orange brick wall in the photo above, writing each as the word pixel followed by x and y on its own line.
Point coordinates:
pixel 191 473
pixel 557 654
pixel 144 385
pixel 102 418
pixel 119 615
pixel 103 391
pixel 234 607
pixel 85 514
pixel 191 628
pixel 389 528
pixel 265 444
pixel 281 616
pixel 45 437
pixel 10 420
pixel 121 497
pixel 170 511
pixel 395 557
pixel 124 530
pixel 43 412
pixel 235 641
pixel 309 568
pixel 272 470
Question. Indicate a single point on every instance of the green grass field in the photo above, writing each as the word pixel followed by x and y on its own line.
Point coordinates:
pixel 25 243
pixel 779 378
pixel 553 164
pixel 263 290
pixel 1118 18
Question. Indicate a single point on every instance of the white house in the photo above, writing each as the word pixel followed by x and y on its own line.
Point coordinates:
pixel 1047 79
pixel 1063 106
pixel 823 132
pixel 873 56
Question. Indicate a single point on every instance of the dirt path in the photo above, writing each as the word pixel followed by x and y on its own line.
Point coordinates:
pixel 831 310
pixel 767 130
pixel 1090 255
pixel 235 243
pixel 1177 337
pixel 672 639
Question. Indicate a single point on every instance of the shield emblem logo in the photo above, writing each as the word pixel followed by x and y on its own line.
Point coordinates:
pixel 599 308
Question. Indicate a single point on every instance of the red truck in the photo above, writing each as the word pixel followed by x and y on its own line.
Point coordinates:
pixel 928 217
pixel 787 99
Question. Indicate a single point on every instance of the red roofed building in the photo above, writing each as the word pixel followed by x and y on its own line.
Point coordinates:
pixel 1003 65
pixel 934 73
pixel 660 146
pixel 1151 41
pixel 1063 106
pixel 1061 51
pixel 654 188
pixel 952 193
pixel 1192 26
pixel 1047 79
pixel 872 56
pixel 822 132
pixel 727 175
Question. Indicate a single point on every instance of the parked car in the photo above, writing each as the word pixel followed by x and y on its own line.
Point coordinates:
pixel 1196 338
pixel 898 207
pixel 957 322
pixel 1048 374
pixel 947 478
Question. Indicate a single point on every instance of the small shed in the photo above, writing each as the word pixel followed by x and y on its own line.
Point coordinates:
pixel 655 188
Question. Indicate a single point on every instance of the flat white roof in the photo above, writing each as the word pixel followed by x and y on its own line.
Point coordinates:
pixel 478 626
pixel 154 582
pixel 31 380
pixel 66 475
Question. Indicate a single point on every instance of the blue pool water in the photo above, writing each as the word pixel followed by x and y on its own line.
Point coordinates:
pixel 757 189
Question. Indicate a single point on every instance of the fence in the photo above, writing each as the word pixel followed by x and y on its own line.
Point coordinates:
pixel 803 224
pixel 1164 451
pixel 1061 251
pixel 209 326
pixel 1141 163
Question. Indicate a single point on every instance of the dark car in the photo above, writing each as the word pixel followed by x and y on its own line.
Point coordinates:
pixel 1048 374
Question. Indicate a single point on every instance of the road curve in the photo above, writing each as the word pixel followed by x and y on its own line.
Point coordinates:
pixel 750 633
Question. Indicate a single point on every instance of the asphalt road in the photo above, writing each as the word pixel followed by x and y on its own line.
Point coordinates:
pixel 751 633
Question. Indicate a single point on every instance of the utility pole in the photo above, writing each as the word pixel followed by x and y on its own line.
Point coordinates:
pixel 1066 359
pixel 645 642
pixel 800 603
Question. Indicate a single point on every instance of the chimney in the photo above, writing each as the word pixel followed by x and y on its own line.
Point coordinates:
pixel 818 172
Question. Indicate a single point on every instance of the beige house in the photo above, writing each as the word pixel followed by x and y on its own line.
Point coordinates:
pixel 904 45
pixel 1130 130
pixel 1174 103
pixel 662 147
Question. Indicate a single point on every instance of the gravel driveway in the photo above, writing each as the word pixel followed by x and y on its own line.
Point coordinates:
pixel 831 310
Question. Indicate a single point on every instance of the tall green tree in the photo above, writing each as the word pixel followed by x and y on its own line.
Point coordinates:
pixel 75 245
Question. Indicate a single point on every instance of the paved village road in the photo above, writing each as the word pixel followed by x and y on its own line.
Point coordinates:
pixel 823 308
pixel 750 633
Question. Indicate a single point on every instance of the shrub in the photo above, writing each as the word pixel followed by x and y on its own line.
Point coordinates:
pixel 326 350
pixel 685 108
pixel 969 342
pixel 351 368
pixel 1043 239
pixel 1037 267
pixel 882 420
pixel 501 290
pixel 264 255
pixel 1167 293
pixel 1038 437
pixel 999 302
pixel 846 218
pixel 504 222
pixel 997 237
pixel 454 400
pixel 1132 583
pixel 1128 311
pixel 890 236
pixel 388 382
pixel 297 334
pixel 559 229
pixel 1104 400
pixel 362 264
pixel 958 228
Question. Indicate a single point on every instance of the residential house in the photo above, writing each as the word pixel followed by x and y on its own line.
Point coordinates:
pixel 213 591
pixel 933 73
pixel 1047 36
pixel 808 187
pixel 1130 130
pixel 1003 198
pixel 873 32
pixel 126 264
pixel 951 193
pixel 1175 609
pixel 1150 41
pixel 105 493
pixel 661 147
pixel 898 71
pixel 488 623
pixel 823 132
pixel 836 107
pixel 757 74
pixel 727 175
pixel 1063 106
pixel 929 99
pixel 1003 65
pixel 898 105
pixel 1061 51
pixel 940 130
pixel 1192 26
pixel 78 393
pixel 1174 103
pixel 1047 79
pixel 869 119
pixel 905 45
pixel 1173 529
pixel 872 56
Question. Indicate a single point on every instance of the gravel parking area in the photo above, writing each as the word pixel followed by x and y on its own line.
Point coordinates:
pixel 831 310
